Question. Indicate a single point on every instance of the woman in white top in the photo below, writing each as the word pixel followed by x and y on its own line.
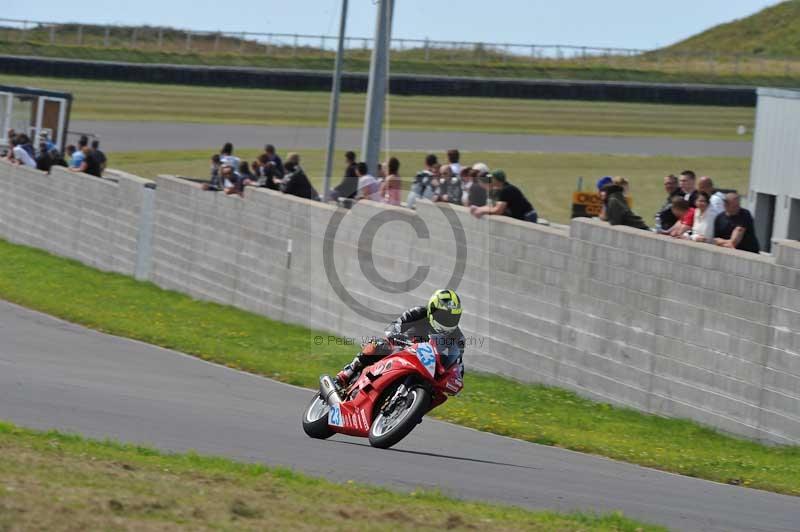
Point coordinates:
pixel 704 216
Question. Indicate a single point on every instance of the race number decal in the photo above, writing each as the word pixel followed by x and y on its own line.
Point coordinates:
pixel 426 356
pixel 335 416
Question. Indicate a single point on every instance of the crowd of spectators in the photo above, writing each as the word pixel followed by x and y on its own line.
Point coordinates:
pixel 485 192
pixel 694 209
pixel 87 158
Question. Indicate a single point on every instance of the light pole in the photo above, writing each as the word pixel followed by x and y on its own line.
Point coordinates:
pixel 334 112
pixel 376 93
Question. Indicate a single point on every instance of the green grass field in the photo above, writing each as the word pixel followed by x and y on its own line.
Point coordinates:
pixel 102 100
pixel 120 305
pixel 547 178
pixel 53 481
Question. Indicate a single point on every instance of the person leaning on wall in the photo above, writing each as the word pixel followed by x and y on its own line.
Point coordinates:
pixel 616 206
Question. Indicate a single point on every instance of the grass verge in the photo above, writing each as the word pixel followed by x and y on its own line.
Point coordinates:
pixel 92 485
pixel 548 179
pixel 111 100
pixel 125 307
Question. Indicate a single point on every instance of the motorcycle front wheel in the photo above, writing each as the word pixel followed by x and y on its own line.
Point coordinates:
pixel 315 419
pixel 391 426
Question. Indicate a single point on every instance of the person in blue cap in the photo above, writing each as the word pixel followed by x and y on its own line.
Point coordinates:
pixel 602 182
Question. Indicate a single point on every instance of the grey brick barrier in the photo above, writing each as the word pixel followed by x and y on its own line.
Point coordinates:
pixel 619 315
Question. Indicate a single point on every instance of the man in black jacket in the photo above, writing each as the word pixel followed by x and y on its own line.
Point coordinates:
pixel 617 209
pixel 296 182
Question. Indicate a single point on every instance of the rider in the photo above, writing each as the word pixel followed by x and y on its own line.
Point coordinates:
pixel 439 318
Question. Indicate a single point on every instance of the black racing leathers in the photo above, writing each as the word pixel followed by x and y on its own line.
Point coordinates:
pixel 414 324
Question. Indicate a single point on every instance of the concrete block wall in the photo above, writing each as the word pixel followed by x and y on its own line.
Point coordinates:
pixel 616 314
pixel 74 215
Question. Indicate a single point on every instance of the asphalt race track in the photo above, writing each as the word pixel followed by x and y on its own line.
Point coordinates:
pixel 141 136
pixel 58 375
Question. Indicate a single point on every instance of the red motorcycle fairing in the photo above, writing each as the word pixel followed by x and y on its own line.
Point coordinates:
pixel 354 416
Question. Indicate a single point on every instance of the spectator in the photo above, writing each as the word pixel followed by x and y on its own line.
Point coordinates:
pixel 684 213
pixel 687 185
pixel 704 218
pixel 245 175
pixel 43 138
pixel 231 183
pixel 25 144
pixel 717 198
pixel 274 161
pixel 453 188
pixel 617 206
pixel 43 161
pixel 348 187
pixel 467 180
pixel 70 151
pixel 89 164
pixel 19 154
pixel 215 181
pixel 268 173
pixel 296 182
pixel 481 185
pixel 391 186
pixel 368 186
pixel 423 182
pixel 99 155
pixel 734 228
pixel 226 156
pixel 78 155
pixel 601 184
pixel 442 181
pixel 453 158
pixel 510 201
pixel 665 219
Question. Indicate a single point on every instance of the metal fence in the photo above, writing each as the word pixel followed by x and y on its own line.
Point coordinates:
pixel 170 40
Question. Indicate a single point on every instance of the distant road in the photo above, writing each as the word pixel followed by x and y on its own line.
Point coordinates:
pixel 57 375
pixel 140 136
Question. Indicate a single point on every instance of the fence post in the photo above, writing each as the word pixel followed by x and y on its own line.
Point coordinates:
pixel 107 37
pixel 53 34
pixel 242 38
pixel 427 49
pixel 80 35
pixel 160 38
pixel 322 42
pixel 216 42
pixel 133 37
pixel 294 48
pixel 533 52
pixel 188 40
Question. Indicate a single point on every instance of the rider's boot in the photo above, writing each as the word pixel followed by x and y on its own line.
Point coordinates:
pixel 344 376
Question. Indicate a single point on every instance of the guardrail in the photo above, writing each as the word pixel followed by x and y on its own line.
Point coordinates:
pixel 173 40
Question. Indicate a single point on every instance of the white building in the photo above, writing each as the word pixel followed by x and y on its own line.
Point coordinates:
pixel 774 192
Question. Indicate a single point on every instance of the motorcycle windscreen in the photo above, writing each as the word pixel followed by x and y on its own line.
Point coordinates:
pixel 449 350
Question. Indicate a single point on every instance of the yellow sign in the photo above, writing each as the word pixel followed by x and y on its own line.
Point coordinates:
pixel 588 204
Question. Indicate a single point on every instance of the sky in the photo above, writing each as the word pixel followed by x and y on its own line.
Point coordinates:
pixel 640 24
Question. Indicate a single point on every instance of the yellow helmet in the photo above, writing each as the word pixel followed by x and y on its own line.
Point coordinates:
pixel 444 311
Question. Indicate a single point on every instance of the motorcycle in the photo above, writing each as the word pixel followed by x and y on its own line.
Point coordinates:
pixel 389 398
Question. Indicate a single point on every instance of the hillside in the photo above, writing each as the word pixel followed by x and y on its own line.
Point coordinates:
pixel 774 31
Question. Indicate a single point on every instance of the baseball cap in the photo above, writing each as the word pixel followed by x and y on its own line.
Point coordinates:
pixel 603 181
pixel 500 175
pixel 481 167
pixel 485 178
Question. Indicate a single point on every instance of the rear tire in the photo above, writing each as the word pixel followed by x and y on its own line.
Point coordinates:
pixel 315 419
pixel 417 402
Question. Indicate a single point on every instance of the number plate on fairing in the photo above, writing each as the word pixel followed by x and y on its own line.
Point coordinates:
pixel 426 355
pixel 335 416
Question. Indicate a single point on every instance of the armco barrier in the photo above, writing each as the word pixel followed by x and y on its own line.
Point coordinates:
pixel 619 315
pixel 406 84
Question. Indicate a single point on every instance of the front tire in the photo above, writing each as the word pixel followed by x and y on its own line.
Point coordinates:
pixel 388 429
pixel 315 419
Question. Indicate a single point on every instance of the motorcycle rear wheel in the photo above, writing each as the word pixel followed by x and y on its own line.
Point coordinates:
pixel 387 430
pixel 315 419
